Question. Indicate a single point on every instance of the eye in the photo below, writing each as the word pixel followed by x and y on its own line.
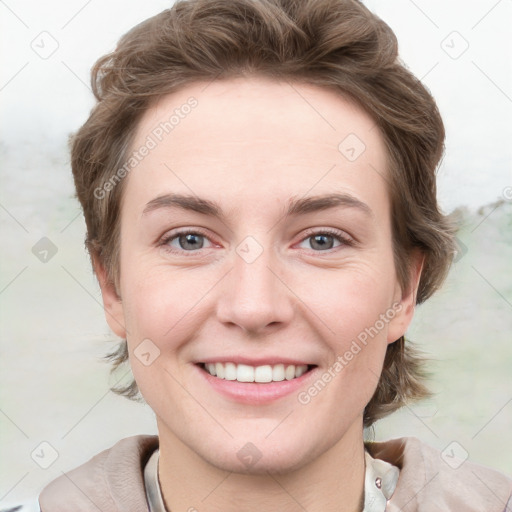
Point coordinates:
pixel 192 241
pixel 188 241
pixel 325 240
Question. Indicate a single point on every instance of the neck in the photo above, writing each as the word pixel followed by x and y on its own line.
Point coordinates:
pixel 331 482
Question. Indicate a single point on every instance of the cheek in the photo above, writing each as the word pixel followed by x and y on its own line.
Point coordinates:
pixel 357 308
pixel 358 314
pixel 353 299
pixel 161 301
pixel 159 320
pixel 164 310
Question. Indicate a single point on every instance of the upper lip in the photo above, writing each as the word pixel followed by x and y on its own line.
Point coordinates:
pixel 261 361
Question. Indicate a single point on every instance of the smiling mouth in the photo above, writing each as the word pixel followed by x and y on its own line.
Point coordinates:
pixel 259 374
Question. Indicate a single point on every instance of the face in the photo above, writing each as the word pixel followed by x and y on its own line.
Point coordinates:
pixel 256 245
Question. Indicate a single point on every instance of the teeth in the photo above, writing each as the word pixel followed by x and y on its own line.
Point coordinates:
pixel 219 370
pixel 263 373
pixel 300 370
pixel 278 372
pixel 230 371
pixel 246 373
pixel 289 373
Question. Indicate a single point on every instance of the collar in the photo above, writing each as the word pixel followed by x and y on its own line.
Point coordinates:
pixel 429 481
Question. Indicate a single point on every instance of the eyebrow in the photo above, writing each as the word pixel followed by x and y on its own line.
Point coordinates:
pixel 296 207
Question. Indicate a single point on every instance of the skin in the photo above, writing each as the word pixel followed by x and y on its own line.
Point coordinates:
pixel 252 145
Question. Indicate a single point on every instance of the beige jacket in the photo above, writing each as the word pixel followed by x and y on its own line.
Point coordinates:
pixel 112 481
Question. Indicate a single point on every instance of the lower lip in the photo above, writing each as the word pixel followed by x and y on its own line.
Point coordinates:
pixel 255 392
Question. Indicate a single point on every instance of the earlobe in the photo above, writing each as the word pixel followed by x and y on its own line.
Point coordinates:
pixel 407 299
pixel 112 303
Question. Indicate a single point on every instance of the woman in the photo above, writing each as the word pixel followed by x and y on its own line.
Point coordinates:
pixel 258 183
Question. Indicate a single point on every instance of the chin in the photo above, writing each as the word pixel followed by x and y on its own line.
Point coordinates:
pixel 247 458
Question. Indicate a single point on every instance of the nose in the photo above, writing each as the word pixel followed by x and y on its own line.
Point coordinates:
pixel 253 296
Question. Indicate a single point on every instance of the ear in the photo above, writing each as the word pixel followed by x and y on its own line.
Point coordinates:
pixel 405 300
pixel 112 303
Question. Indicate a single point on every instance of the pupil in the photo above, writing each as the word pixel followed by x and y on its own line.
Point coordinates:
pixel 187 241
pixel 321 241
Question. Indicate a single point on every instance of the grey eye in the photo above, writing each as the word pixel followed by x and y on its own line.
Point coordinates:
pixel 321 241
pixel 187 241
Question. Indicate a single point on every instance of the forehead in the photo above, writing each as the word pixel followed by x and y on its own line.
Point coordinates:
pixel 280 139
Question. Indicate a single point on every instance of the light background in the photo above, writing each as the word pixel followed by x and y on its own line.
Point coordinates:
pixel 54 387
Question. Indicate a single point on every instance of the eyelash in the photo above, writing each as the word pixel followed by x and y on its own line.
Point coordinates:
pixel 338 235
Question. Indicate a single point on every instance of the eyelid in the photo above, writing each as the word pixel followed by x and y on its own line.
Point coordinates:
pixel 344 238
pixel 173 234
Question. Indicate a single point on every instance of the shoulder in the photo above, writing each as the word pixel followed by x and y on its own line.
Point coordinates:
pixel 431 480
pixel 110 481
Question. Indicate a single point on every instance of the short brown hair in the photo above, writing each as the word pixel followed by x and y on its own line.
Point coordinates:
pixel 335 44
